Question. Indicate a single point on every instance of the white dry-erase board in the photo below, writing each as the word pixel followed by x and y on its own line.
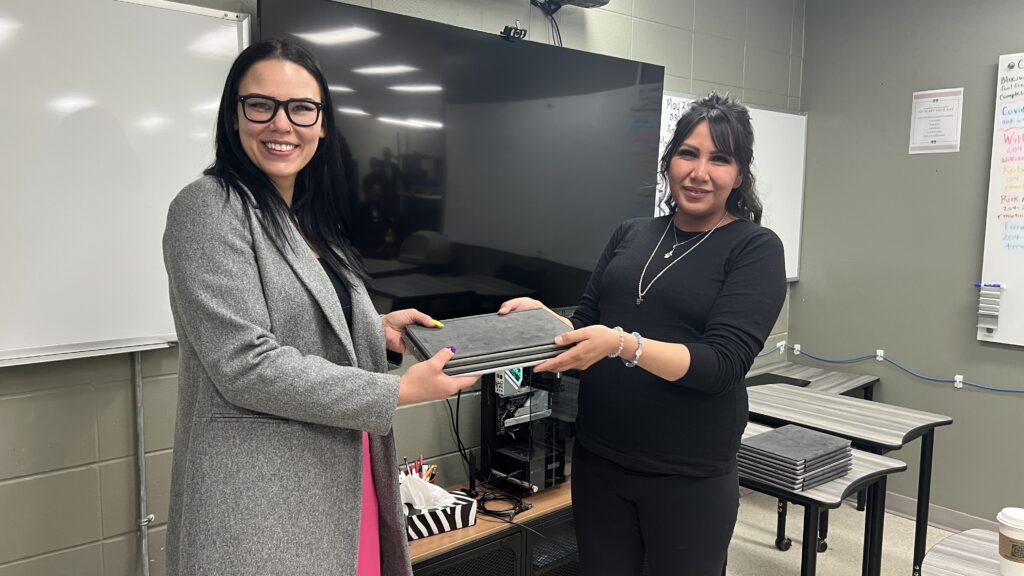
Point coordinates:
pixel 109 110
pixel 1001 294
pixel 780 145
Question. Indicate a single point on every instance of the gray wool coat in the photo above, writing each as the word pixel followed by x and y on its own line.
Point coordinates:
pixel 273 397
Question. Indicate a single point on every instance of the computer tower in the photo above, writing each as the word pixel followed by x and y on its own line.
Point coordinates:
pixel 527 424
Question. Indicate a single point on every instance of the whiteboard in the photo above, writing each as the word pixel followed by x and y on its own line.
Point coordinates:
pixel 1001 294
pixel 110 108
pixel 780 149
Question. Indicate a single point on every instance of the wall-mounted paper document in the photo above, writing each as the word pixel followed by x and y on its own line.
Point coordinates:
pixel 935 121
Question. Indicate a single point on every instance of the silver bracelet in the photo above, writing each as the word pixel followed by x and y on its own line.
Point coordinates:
pixel 639 351
pixel 622 340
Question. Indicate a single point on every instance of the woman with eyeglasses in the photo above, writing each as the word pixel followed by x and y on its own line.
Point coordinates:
pixel 284 459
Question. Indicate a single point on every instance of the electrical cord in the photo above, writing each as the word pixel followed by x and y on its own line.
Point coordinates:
pixel 453 418
pixel 914 373
pixel 549 8
pixel 853 360
pixel 508 513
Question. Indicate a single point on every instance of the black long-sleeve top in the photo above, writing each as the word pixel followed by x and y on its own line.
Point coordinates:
pixel 721 301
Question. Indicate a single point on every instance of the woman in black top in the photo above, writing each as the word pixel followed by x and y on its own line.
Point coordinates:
pixel 674 314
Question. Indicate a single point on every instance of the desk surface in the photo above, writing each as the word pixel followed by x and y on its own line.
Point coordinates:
pixel 414 286
pixel 970 553
pixel 865 422
pixel 829 495
pixel 489 286
pixel 866 466
pixel 828 381
pixel 378 268
pixel 544 502
pixel 419 285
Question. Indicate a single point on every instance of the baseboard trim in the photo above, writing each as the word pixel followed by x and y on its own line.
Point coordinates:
pixel 939 517
pixel 944 518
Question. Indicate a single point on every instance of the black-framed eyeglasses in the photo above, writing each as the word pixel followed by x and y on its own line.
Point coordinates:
pixel 262 109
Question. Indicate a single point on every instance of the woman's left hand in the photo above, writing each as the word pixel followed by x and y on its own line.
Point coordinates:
pixel 592 344
pixel 395 323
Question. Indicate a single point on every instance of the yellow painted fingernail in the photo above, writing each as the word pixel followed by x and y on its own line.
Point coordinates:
pixel 437 323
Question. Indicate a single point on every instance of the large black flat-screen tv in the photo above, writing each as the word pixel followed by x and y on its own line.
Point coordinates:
pixel 488 168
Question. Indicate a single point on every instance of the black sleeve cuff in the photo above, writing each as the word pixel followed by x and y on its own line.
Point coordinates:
pixel 394 360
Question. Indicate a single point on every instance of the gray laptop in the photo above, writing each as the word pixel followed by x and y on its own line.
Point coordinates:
pixel 491 343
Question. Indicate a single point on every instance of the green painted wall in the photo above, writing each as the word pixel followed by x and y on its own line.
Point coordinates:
pixel 892 243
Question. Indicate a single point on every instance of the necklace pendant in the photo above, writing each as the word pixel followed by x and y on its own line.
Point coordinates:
pixel 669 253
pixel 639 300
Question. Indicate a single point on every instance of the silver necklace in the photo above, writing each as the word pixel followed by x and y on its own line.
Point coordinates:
pixel 675 238
pixel 640 290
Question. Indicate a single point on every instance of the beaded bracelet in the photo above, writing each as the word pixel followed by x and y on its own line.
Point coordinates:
pixel 639 351
pixel 622 339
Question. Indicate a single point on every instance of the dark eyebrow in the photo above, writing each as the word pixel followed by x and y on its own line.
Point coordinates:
pixel 692 147
pixel 258 95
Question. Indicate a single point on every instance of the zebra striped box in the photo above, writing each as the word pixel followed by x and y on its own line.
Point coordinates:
pixel 423 523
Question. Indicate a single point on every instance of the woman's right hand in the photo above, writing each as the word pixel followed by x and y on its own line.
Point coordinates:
pixel 425 381
pixel 526 303
pixel 523 303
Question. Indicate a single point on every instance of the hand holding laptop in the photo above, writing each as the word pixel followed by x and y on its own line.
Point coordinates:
pixel 587 345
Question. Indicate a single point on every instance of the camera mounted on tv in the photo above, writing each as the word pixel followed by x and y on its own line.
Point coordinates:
pixel 512 33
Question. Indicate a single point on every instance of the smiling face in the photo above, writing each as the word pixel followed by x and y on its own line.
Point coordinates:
pixel 701 178
pixel 279 148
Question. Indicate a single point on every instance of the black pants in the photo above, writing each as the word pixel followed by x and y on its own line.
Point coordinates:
pixel 681 524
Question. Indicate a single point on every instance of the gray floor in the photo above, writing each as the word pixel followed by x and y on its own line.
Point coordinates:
pixel 753 552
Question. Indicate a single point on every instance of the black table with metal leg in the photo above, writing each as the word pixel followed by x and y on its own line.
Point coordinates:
pixel 869 471
pixel 819 380
pixel 870 426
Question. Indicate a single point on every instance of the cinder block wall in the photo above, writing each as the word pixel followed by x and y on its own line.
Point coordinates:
pixel 67 471
pixel 67 464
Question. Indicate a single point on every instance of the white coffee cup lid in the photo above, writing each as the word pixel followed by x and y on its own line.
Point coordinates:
pixel 1013 517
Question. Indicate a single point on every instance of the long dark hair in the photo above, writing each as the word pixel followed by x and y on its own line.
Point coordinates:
pixel 729 124
pixel 321 202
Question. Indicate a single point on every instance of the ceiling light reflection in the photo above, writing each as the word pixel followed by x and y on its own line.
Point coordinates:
pixel 391 69
pixel 206 107
pixel 411 122
pixel 70 104
pixel 417 88
pixel 354 111
pixel 339 88
pixel 222 43
pixel 426 123
pixel 7 30
pixel 153 122
pixel 338 36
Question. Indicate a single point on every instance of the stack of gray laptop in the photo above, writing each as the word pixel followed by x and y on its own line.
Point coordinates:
pixel 794 458
pixel 489 342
